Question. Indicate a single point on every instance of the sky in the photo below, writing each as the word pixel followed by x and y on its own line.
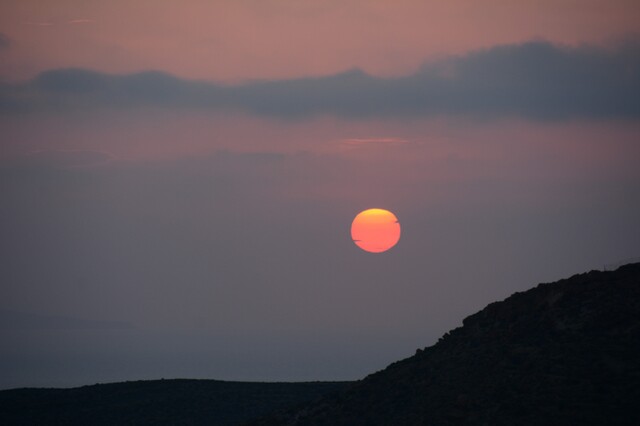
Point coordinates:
pixel 178 178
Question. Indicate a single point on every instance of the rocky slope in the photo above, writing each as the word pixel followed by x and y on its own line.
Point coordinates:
pixel 565 353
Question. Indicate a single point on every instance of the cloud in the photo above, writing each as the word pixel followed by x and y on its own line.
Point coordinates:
pixel 39 24
pixel 60 159
pixel 354 142
pixel 52 23
pixel 5 41
pixel 16 320
pixel 535 80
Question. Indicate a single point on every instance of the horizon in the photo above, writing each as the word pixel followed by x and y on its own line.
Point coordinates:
pixel 77 324
pixel 179 180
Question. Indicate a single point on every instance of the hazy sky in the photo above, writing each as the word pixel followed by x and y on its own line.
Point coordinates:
pixel 178 178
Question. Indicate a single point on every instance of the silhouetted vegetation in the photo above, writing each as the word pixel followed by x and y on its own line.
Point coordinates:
pixel 566 353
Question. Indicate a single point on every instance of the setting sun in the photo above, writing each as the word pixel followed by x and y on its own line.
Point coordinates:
pixel 375 230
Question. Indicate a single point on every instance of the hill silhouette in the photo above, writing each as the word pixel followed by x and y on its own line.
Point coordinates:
pixel 155 402
pixel 565 353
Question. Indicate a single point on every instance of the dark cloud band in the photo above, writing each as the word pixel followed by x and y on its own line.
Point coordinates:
pixel 5 41
pixel 534 80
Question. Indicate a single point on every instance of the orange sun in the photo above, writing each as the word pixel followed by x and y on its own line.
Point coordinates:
pixel 375 230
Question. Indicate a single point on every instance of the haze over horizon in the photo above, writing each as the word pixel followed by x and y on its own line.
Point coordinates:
pixel 179 178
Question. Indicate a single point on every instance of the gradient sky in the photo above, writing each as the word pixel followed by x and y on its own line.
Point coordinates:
pixel 178 178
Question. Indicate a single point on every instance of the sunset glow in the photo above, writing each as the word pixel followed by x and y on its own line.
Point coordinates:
pixel 375 230
pixel 178 177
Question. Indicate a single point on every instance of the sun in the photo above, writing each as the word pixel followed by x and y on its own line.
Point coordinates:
pixel 375 230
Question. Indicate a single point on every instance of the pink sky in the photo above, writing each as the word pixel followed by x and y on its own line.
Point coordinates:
pixel 238 40
pixel 231 41
pixel 225 208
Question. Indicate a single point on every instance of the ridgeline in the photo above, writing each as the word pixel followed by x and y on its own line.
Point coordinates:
pixel 565 353
pixel 155 402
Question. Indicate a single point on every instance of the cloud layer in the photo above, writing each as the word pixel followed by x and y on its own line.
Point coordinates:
pixel 535 80
pixel 5 41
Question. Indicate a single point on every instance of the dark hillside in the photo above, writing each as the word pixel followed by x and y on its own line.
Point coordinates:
pixel 565 353
pixel 157 402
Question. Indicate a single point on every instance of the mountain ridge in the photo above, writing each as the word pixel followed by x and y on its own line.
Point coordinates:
pixel 560 353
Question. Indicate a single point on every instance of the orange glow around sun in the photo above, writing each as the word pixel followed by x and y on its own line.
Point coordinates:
pixel 375 230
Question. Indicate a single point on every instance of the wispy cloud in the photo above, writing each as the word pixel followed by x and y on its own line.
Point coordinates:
pixel 39 23
pixel 52 23
pixel 5 41
pixel 17 320
pixel 359 142
pixel 80 21
pixel 535 80
pixel 66 158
